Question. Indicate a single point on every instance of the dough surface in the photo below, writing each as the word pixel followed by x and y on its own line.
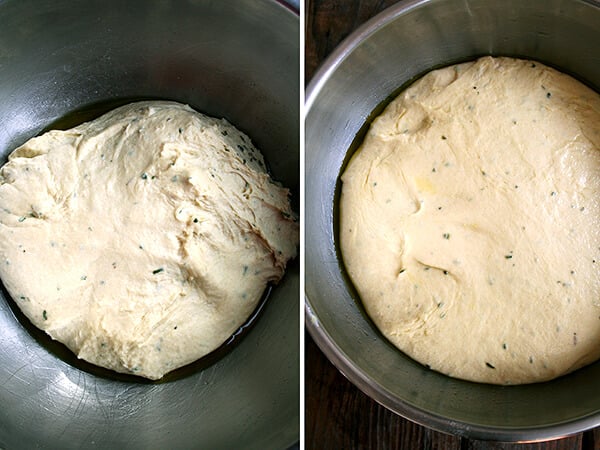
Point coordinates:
pixel 143 239
pixel 469 221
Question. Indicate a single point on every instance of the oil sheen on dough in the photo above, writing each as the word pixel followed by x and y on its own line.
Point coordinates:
pixel 142 240
pixel 469 221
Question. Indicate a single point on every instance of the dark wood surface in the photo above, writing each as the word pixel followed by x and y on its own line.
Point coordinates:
pixel 337 414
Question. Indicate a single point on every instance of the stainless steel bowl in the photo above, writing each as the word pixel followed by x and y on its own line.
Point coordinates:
pixel 238 60
pixel 404 41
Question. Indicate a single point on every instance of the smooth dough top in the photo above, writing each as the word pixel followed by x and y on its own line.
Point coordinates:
pixel 143 239
pixel 469 221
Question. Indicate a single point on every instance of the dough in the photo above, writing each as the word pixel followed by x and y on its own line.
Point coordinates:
pixel 469 221
pixel 142 240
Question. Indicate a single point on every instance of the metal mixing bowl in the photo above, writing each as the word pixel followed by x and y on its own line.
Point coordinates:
pixel 404 41
pixel 238 60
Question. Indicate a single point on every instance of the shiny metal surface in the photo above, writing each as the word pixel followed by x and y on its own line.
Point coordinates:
pixel 238 60
pixel 401 43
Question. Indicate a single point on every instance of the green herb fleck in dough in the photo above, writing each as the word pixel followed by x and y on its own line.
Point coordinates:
pixel 446 235
pixel 508 256
pixel 144 176
pixel 22 219
pixel 489 365
pixel 159 270
pixel 45 315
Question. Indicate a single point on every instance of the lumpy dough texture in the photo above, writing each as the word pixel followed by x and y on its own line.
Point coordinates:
pixel 470 221
pixel 142 240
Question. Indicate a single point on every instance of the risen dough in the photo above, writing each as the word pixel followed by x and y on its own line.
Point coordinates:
pixel 144 239
pixel 470 221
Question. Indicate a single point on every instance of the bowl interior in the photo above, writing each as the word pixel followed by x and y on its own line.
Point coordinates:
pixel 239 61
pixel 401 43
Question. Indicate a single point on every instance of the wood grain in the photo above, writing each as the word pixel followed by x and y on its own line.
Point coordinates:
pixel 337 414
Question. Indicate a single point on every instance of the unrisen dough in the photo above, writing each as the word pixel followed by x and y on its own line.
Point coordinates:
pixel 144 239
pixel 470 221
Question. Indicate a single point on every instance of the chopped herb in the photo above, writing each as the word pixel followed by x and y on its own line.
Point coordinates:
pixel 552 193
pixel 21 219
pixel 548 95
pixel 574 338
pixel 489 365
pixel 439 208
pixel 516 186
pixel 144 176
pixel 532 64
pixel 195 220
pixel 375 183
pixel 433 170
pixel 446 235
pixel 175 327
pixel 180 130
pixel 508 256
pixel 224 133
pixel 245 270
pixel 45 315
pixel 444 137
pixel 154 272
pixel 445 272
pixel 83 277
pixel 483 173
pixel 531 360
pixel 504 346
pixel 114 265
pixel 582 208
pixel 401 271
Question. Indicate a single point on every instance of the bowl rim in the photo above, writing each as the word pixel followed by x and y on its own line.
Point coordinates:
pixel 336 354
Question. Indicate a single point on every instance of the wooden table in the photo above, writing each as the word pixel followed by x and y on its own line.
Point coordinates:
pixel 338 415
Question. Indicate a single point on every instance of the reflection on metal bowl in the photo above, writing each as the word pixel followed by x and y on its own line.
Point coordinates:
pixel 393 48
pixel 234 60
